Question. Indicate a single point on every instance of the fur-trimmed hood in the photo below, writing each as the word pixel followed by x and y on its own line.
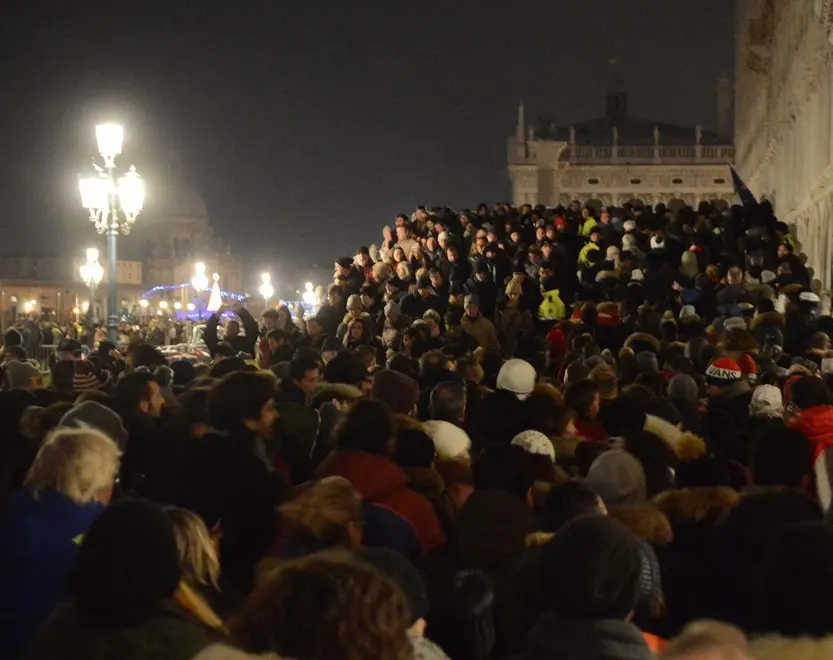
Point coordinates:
pixel 769 318
pixel 696 504
pixel 646 522
pixel 642 341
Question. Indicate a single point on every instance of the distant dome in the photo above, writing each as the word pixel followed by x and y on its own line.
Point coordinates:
pixel 178 199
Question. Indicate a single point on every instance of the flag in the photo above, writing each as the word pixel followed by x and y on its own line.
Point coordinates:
pixel 742 190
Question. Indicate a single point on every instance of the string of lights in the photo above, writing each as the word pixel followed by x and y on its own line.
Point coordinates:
pixel 239 297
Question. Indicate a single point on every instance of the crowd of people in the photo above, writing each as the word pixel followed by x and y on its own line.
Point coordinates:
pixel 514 433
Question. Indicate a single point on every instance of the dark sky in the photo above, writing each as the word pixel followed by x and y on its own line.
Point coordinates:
pixel 308 125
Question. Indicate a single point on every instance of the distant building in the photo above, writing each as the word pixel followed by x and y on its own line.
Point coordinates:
pixel 619 158
pixel 170 235
pixel 784 117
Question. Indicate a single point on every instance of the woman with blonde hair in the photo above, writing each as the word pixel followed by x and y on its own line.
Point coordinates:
pixel 41 525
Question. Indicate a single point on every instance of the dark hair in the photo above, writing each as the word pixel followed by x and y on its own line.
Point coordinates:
pixel 227 365
pixel 781 457
pixel 145 355
pixel 448 401
pixel 579 396
pixel 12 337
pixel 299 367
pixel 359 613
pixel 239 396
pixel 567 501
pixel 414 449
pixel 277 334
pixel 17 351
pixel 808 392
pixel 367 426
pixel 132 389
pixel 194 405
pixel 504 467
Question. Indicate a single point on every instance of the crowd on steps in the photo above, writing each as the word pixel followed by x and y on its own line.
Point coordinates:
pixel 512 433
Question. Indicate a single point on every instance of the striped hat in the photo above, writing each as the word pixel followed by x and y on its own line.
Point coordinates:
pixel 723 371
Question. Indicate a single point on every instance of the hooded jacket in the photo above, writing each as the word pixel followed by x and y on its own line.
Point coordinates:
pixel 379 481
pixel 582 639
pixel 38 543
pixel 816 424
pixel 482 330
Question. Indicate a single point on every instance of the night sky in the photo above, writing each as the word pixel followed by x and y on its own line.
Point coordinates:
pixel 309 125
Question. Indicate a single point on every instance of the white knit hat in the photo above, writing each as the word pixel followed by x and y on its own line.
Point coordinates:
pixel 450 441
pixel 629 225
pixel 517 376
pixel 535 442
pixel 766 402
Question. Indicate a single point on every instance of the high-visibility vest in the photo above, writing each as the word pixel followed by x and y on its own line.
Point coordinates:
pixel 552 308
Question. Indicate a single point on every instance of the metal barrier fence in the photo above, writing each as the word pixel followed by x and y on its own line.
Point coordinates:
pixel 45 352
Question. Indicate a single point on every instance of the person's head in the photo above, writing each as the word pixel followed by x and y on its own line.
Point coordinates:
pixel 305 374
pixel 402 232
pixel 22 376
pixel 356 330
pixel 193 410
pixel 276 339
pixel 784 250
pixel 517 376
pixel 232 329
pixel 138 392
pixel 567 501
pixel 436 279
pixel 398 391
pixel 796 581
pixel 359 613
pixel 471 305
pixel 243 400
pixel 367 354
pixel 126 565
pixel 809 392
pixel 589 570
pixel 197 548
pixel 79 463
pixel 781 457
pixel 448 402
pixel 335 296
pixel 367 426
pixel 406 576
pixel 140 354
pixel 68 349
pixel 583 397
pixel 326 515
pixel 270 319
pixel 414 449
pixel 507 468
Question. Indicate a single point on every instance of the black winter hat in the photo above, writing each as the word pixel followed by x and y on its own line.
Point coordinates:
pixel 127 562
pixel 345 368
pixel 590 570
pixel 345 262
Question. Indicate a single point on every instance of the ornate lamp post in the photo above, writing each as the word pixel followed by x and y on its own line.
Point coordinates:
pixel 113 203
pixel 199 282
pixel 91 274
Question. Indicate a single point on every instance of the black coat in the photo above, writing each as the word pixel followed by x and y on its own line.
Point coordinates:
pixel 240 344
pixel 153 459
pixel 584 639
pixel 232 481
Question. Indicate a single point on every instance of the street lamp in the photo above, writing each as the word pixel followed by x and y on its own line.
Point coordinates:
pixel 91 274
pixel 143 303
pixel 199 282
pixel 113 203
pixel 266 288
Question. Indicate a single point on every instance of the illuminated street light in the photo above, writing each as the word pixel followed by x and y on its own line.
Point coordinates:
pixel 266 288
pixel 163 304
pixel 114 204
pixel 177 305
pixel 143 303
pixel 85 306
pixel 190 307
pixel 91 274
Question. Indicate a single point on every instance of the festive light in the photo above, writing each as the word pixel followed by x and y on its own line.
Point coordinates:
pixel 237 297
pixel 266 289
pixel 143 303
pixel 215 300
pixel 191 307
pixel 177 305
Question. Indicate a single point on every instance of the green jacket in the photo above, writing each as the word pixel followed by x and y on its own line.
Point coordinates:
pixel 588 225
pixel 169 634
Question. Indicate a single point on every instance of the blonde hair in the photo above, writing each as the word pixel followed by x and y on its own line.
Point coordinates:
pixel 198 559
pixel 77 462
pixel 322 513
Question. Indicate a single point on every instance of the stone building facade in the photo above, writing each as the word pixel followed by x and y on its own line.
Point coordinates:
pixel 784 116
pixel 619 158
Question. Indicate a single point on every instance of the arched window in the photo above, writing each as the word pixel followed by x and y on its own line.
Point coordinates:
pixel 636 182
pixel 593 182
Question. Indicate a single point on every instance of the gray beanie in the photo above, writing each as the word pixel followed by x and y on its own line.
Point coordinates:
pixel 19 375
pixel 392 308
pixel 92 413
pixel 618 478
pixel 683 387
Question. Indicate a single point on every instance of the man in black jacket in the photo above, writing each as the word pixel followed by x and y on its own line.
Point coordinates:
pixel 239 343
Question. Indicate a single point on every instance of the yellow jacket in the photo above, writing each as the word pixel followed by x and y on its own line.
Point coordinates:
pixel 582 255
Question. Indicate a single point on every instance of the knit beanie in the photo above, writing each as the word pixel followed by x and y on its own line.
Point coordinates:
pixel 723 371
pixel 19 375
pixel 345 368
pixel 98 416
pixel 590 570
pixel 399 391
pixel 127 563
pixel 683 388
pixel 450 441
pixel 392 308
pixel 535 442
pixel 618 477
pixel 404 574
pixel 517 376
pixel 648 363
